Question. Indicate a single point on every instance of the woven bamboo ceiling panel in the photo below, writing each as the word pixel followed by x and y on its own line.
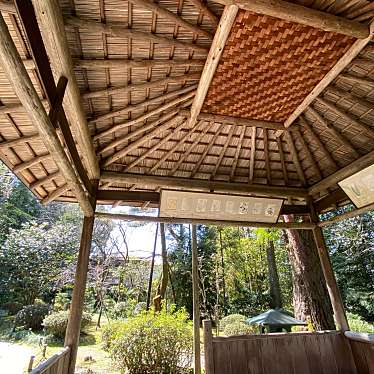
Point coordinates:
pixel 269 66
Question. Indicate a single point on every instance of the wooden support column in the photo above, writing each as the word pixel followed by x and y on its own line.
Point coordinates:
pixel 332 287
pixel 196 304
pixel 208 347
pixel 76 308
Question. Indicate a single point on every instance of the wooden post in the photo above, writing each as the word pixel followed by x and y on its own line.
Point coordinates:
pixel 332 287
pixel 196 304
pixel 208 347
pixel 76 308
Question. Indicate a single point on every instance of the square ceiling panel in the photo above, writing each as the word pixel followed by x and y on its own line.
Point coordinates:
pixel 269 66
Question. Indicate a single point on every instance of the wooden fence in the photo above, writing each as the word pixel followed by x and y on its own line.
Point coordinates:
pixel 57 364
pixel 326 352
pixel 363 351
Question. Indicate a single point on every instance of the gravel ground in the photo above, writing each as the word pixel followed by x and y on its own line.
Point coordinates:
pixel 14 358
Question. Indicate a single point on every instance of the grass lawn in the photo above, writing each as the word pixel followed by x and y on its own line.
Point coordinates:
pixel 91 357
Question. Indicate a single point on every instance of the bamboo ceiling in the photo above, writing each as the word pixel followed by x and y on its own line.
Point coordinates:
pixel 137 89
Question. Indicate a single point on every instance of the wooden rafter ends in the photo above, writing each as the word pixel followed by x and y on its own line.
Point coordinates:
pixel 125 32
pixel 343 62
pixel 199 4
pixel 202 184
pixel 53 31
pixel 343 173
pixel 207 222
pixel 216 49
pixel 235 120
pixel 305 16
pixel 24 89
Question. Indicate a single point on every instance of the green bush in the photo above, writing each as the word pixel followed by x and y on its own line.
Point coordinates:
pixel 157 343
pixel 31 316
pixel 121 310
pixel 139 307
pixel 12 307
pixel 238 328
pixel 357 324
pixel 56 323
pixel 61 302
pixel 230 319
pixel 111 332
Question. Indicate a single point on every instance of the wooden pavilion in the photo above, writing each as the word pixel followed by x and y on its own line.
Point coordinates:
pixel 112 101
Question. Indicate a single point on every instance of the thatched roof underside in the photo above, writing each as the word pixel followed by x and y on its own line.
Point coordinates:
pixel 124 104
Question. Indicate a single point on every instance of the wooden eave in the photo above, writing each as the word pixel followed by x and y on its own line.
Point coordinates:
pixel 139 71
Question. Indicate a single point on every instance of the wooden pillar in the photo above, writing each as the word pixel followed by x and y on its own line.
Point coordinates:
pixel 328 272
pixel 76 308
pixel 208 347
pixel 196 304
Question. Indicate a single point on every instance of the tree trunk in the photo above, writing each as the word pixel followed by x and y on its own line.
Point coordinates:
pixel 310 297
pixel 161 289
pixel 151 270
pixel 275 292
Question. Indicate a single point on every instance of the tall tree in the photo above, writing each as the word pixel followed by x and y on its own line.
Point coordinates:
pixel 162 286
pixel 310 297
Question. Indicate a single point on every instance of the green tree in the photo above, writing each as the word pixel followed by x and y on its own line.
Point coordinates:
pixel 33 258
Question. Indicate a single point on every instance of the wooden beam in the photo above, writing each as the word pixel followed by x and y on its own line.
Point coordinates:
pixel 175 121
pixel 141 105
pixel 206 151
pixel 252 156
pixel 343 62
pixel 282 160
pixel 328 272
pixel 44 180
pixel 354 167
pixel 24 89
pixel 121 63
pixel 208 347
pixel 154 148
pixel 188 151
pixel 202 184
pixel 172 220
pixel 195 302
pixel 18 141
pixel 145 116
pixel 331 200
pixel 359 80
pixel 7 6
pixel 237 153
pixel 305 16
pixel 309 154
pixel 170 16
pixel 223 151
pixel 199 4
pixel 295 157
pixel 235 120
pixel 125 32
pixel 27 164
pixel 333 131
pixel 55 194
pixel 149 126
pixel 51 23
pixel 304 123
pixel 77 301
pixel 216 49
pixel 136 87
pixel 366 129
pixel 266 155
pixel 128 196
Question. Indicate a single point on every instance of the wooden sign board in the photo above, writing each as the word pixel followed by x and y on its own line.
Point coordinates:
pixel 360 187
pixel 196 205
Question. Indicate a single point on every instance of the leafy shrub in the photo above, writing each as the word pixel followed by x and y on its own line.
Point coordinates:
pixel 61 302
pixel 157 343
pixel 357 324
pixel 121 310
pixel 111 332
pixel 31 316
pixel 57 322
pixel 230 319
pixel 238 328
pixel 12 307
pixel 139 307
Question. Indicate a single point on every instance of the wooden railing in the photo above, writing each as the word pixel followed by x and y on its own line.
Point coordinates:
pixel 306 352
pixel 363 351
pixel 57 364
